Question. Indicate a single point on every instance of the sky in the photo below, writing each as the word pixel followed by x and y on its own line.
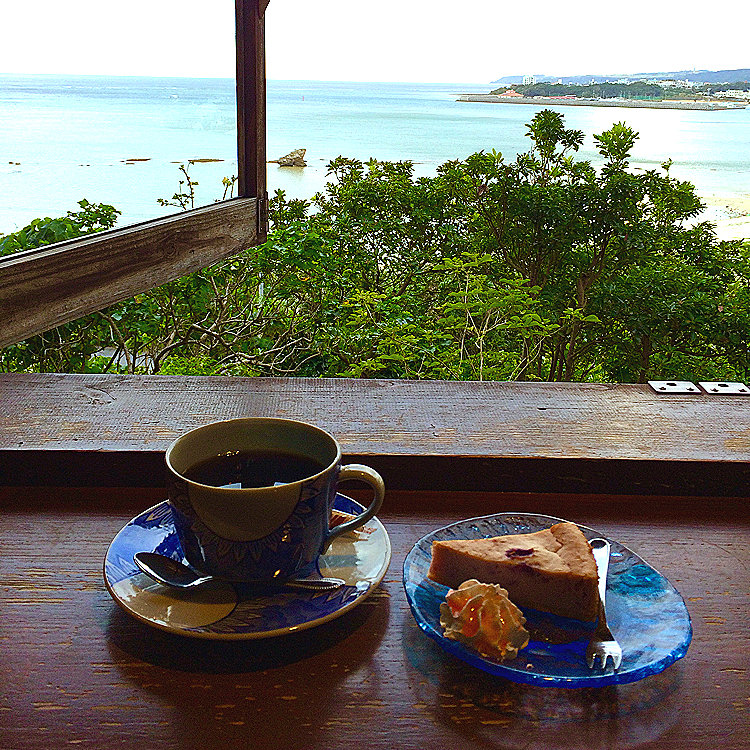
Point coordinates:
pixel 474 41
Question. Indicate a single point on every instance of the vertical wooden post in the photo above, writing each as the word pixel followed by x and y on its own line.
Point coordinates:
pixel 251 106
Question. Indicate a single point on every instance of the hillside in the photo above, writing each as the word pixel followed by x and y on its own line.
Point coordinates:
pixel 696 76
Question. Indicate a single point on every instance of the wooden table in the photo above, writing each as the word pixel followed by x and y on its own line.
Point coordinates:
pixel 76 671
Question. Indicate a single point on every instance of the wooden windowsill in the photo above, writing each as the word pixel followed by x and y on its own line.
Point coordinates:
pixel 112 430
pixel 665 476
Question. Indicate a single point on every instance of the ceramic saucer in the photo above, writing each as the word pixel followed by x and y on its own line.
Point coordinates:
pixel 221 610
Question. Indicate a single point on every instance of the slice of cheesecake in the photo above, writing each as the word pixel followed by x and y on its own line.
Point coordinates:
pixel 552 570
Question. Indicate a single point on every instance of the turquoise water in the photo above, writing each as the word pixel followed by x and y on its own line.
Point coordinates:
pixel 66 138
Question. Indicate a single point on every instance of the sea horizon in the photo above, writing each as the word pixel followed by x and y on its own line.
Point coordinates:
pixel 121 140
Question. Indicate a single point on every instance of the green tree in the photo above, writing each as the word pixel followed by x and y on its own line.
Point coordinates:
pixel 92 217
pixel 539 268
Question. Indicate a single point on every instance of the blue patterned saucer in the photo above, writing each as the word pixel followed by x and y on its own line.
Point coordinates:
pixel 645 612
pixel 219 610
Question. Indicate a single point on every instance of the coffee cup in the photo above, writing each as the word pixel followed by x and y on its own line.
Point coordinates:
pixel 252 498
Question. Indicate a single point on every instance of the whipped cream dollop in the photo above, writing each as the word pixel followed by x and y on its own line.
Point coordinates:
pixel 481 616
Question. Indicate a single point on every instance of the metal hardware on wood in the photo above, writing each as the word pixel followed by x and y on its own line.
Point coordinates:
pixel 674 386
pixel 263 215
pixel 721 389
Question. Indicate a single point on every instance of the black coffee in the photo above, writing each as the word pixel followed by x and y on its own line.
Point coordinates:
pixel 245 469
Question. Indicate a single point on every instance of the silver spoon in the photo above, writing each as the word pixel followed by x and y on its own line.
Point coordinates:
pixel 173 573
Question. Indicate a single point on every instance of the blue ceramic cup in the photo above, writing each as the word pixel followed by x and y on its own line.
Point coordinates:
pixel 260 534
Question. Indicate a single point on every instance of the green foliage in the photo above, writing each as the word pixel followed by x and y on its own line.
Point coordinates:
pixel 93 217
pixel 541 268
pixel 634 90
pixel 184 198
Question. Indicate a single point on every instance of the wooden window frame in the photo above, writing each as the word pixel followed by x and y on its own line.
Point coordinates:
pixel 45 287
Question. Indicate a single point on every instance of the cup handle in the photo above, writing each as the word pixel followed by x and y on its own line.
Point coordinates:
pixel 371 477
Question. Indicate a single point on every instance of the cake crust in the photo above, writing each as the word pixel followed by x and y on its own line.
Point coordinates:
pixel 552 570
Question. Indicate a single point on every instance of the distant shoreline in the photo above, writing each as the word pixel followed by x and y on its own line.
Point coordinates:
pixel 546 101
pixel 729 213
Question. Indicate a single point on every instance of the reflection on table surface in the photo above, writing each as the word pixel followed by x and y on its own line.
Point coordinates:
pixel 79 671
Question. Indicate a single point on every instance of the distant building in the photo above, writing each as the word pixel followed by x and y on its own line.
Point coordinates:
pixel 733 94
pixel 510 92
pixel 672 83
pixel 529 80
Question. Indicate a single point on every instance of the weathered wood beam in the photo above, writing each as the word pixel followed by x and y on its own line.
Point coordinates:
pixel 43 288
pixel 422 435
pixel 251 105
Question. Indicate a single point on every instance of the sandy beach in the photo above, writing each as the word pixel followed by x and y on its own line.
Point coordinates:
pixel 729 213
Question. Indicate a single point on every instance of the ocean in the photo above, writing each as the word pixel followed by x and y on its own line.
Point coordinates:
pixel 120 140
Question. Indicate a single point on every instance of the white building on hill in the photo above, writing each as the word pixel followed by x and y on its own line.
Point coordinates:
pixel 733 94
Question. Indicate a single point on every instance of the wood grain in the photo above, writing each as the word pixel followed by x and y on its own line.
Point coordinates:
pixel 425 435
pixel 76 671
pixel 48 286
pixel 251 106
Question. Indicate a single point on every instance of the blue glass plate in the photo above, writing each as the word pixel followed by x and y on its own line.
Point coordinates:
pixel 645 612
pixel 222 611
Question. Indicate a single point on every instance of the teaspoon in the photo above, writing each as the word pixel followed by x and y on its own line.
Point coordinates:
pixel 174 573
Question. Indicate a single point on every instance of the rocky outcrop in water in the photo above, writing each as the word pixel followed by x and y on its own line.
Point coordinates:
pixel 294 158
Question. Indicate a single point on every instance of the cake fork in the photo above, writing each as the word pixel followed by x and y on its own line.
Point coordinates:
pixel 602 643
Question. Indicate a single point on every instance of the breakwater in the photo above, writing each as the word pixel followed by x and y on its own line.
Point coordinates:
pixel 546 101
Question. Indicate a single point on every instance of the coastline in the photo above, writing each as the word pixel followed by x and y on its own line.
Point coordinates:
pixel 85 156
pixel 728 211
pixel 730 214
pixel 546 101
